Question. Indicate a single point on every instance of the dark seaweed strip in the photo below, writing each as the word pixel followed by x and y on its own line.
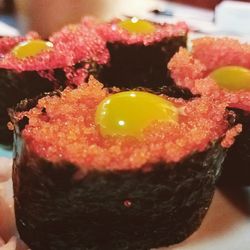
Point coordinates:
pixel 236 167
pixel 13 88
pixel 118 210
pixel 134 66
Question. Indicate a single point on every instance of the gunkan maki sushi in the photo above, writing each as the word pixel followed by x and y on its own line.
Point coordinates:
pixel 220 69
pixel 96 168
pixel 69 55
pixel 139 50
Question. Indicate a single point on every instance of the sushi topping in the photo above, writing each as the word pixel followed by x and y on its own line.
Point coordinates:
pixel 129 113
pixel 136 31
pixel 232 77
pixel 68 131
pixel 135 25
pixel 78 45
pixel 218 68
pixel 31 48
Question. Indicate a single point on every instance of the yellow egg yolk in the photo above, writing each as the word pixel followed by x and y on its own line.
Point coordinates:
pixel 232 77
pixel 135 25
pixel 129 113
pixel 31 48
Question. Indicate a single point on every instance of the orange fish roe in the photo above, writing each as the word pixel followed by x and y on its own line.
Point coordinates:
pixel 73 44
pixel 218 52
pixel 112 32
pixel 63 129
pixel 191 69
pixel 230 136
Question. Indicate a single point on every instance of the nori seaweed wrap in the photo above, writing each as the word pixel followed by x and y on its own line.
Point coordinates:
pixel 139 51
pixel 220 69
pixel 30 66
pixel 76 186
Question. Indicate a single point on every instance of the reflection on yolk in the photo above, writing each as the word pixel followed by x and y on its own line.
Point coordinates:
pixel 31 48
pixel 128 113
pixel 135 25
pixel 232 77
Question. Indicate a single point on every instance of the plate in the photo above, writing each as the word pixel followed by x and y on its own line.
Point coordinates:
pixel 226 225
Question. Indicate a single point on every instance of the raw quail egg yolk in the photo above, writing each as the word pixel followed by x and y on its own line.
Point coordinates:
pixel 232 77
pixel 135 25
pixel 129 113
pixel 31 48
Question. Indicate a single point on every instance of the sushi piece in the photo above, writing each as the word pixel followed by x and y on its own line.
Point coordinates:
pixel 97 168
pixel 139 51
pixel 220 69
pixel 69 55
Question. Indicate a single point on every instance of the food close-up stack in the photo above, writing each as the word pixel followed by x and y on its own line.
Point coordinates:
pixel 124 133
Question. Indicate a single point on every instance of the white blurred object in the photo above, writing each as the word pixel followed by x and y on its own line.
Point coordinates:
pixel 7 30
pixel 198 19
pixel 233 17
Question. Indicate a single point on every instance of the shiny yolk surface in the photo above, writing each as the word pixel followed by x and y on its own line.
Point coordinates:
pixel 232 77
pixel 135 25
pixel 128 113
pixel 31 48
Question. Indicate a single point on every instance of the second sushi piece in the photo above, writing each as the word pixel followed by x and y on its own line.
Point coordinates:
pixel 219 68
pixel 97 168
pixel 69 55
pixel 139 51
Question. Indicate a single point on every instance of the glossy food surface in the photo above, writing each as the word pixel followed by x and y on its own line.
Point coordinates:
pixel 31 48
pixel 232 77
pixel 135 25
pixel 128 113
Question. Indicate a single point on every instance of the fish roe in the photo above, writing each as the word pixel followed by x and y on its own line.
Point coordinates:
pixel 73 44
pixel 8 42
pixel 113 32
pixel 62 128
pixel 191 69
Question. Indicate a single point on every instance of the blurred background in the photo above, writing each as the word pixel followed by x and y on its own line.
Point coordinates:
pixel 46 16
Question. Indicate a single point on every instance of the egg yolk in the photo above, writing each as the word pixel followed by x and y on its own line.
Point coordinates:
pixel 232 77
pixel 135 25
pixel 31 48
pixel 129 113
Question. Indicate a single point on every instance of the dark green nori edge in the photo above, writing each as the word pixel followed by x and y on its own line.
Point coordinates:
pixel 236 167
pixel 136 65
pixel 56 208
pixel 13 88
pixel 16 86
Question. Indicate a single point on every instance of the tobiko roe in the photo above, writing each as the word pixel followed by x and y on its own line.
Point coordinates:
pixel 88 176
pixel 220 69
pixel 30 66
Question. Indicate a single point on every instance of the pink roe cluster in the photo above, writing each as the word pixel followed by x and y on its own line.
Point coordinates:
pixel 71 45
pixel 8 42
pixel 63 129
pixel 111 32
pixel 191 69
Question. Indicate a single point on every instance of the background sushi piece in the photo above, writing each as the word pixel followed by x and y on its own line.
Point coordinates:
pixel 191 70
pixel 139 59
pixel 77 52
